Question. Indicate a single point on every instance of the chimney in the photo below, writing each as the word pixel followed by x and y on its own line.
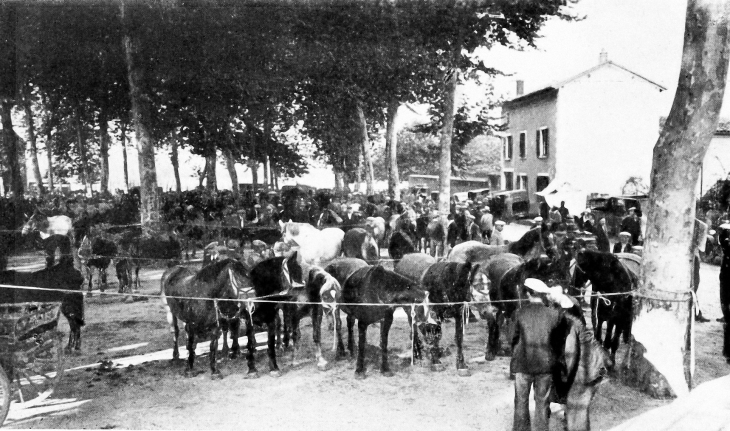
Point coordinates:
pixel 520 87
pixel 603 57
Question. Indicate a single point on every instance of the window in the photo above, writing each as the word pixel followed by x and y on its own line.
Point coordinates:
pixel 542 182
pixel 523 139
pixel 509 181
pixel 508 148
pixel 542 142
pixel 522 182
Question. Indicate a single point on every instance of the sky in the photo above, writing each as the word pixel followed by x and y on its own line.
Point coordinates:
pixel 644 36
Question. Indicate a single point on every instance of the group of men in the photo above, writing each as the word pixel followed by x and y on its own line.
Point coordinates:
pixel 556 356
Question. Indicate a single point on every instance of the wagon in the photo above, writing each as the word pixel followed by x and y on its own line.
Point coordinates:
pixel 31 354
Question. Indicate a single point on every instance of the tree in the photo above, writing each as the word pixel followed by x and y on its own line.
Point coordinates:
pixel 655 361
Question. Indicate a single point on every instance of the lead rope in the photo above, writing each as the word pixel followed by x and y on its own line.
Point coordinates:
pixel 413 332
pixel 605 300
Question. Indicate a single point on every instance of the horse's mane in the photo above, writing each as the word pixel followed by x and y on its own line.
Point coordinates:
pixel 210 272
pixel 526 242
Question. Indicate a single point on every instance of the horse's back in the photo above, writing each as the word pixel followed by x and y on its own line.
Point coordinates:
pixel 343 268
pixel 474 251
pixel 175 280
pixel 414 265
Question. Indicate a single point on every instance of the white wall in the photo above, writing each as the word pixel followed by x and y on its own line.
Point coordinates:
pixel 608 122
pixel 716 165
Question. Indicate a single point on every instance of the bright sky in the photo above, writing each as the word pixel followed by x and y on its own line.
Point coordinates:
pixel 644 36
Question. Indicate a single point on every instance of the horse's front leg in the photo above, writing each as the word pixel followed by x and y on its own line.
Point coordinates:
pixel 363 332
pixel 215 373
pixel 461 367
pixel 251 346
pixel 102 273
pixel 417 349
pixel 233 327
pixel 271 331
pixel 223 322
pixel 492 328
pixel 340 354
pixel 172 320
pixel 384 331
pixel 317 336
pixel 608 340
pixel 191 350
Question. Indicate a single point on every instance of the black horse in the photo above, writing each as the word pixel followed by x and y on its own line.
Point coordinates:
pixel 147 250
pixel 445 282
pixel 402 242
pixel 608 276
pixel 97 253
pixel 375 285
pixel 273 280
pixel 66 282
pixel 217 281
pixel 360 244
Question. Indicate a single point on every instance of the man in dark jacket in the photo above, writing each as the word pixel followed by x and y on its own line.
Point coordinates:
pixel 724 240
pixel 536 346
pixel 632 224
pixel 624 244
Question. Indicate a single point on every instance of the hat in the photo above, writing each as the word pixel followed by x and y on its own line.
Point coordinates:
pixel 724 226
pixel 557 296
pixel 537 219
pixel 499 223
pixel 624 233
pixel 487 208
pixel 632 209
pixel 536 285
pixel 257 206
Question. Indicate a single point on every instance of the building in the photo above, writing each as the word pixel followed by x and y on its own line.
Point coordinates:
pixel 591 132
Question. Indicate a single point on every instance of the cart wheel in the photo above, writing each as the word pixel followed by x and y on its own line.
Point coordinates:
pixel 4 395
pixel 37 379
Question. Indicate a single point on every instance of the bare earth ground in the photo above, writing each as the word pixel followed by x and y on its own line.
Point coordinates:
pixel 155 395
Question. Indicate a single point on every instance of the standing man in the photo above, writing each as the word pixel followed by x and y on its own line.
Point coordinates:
pixel 724 239
pixel 496 237
pixel 486 223
pixel 564 213
pixel 536 346
pixel 632 225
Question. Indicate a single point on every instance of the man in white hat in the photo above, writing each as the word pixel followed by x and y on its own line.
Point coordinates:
pixel 496 237
pixel 486 224
pixel 624 244
pixel 536 346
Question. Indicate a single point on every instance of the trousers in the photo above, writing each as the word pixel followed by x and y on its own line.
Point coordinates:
pixel 579 401
pixel 541 384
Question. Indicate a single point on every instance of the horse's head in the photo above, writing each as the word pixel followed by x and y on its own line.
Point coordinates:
pixel 397 289
pixel 31 224
pixel 291 271
pixel 328 287
pixel 238 283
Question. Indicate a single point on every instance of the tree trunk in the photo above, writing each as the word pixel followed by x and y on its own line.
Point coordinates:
pixel 83 170
pixel 124 154
pixel 211 182
pixel 142 121
pixel 30 123
pixel 391 147
pixel 445 142
pixel 49 156
pixel 265 148
pixel 338 180
pixel 104 153
pixel 231 165
pixel 8 63
pixel 655 360
pixel 358 173
pixel 203 174
pixel 365 143
pixel 175 162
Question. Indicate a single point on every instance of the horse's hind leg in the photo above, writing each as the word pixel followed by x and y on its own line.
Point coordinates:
pixel 461 367
pixel 191 350
pixel 492 345
pixel 351 335
pixel 251 346
pixel 271 331
pixel 608 341
pixel 417 350
pixel 340 354
pixel 363 332
pixel 384 331
pixel 317 336
pixel 102 272
pixel 172 320
pixel 224 329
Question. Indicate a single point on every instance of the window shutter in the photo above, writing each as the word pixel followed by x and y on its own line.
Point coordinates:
pixel 546 140
pixel 537 143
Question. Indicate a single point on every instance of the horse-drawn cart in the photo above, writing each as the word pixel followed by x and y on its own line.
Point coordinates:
pixel 31 353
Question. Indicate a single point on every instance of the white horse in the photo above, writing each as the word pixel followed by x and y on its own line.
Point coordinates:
pixel 315 246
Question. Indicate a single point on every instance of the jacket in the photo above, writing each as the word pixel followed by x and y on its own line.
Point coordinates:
pixel 586 361
pixel 538 339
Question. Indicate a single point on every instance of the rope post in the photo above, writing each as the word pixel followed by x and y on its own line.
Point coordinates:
pixel 413 333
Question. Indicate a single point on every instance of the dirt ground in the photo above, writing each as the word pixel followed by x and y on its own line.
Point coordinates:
pixel 155 395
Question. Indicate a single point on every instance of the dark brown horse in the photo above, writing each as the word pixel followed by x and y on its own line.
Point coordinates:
pixel 220 284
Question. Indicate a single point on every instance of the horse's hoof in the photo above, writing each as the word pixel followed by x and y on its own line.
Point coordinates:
pixel 252 375
pixel 189 373
pixel 359 375
pixel 323 366
pixel 216 376
pixel 463 372
pixel 275 373
pixel 387 373
pixel 490 356
pixel 438 367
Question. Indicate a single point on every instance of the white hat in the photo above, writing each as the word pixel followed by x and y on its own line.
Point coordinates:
pixel 537 219
pixel 536 285
pixel 725 226
pixel 487 208
pixel 557 296
pixel 499 223
pixel 624 233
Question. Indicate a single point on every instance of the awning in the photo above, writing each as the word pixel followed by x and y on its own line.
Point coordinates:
pixel 559 190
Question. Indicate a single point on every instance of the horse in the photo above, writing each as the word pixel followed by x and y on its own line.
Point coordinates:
pixel 217 281
pixel 530 245
pixel 376 228
pixel 320 288
pixel 554 271
pixel 97 253
pixel 608 275
pixel 315 246
pixel 358 243
pixel 375 285
pixel 51 231
pixel 64 279
pixel 272 279
pixel 445 282
pixel 140 249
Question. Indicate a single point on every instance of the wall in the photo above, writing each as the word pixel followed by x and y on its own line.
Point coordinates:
pixel 609 124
